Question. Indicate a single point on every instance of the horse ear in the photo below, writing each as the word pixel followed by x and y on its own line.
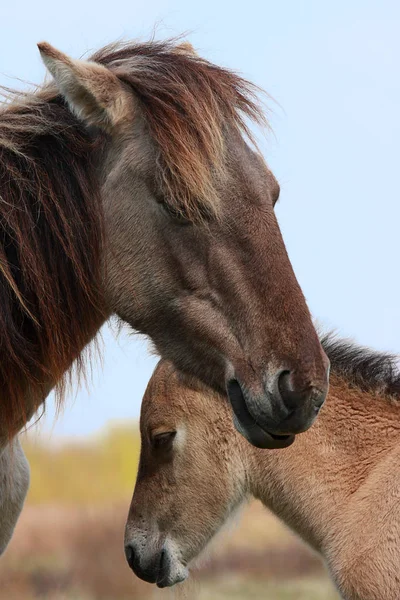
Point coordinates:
pixel 93 92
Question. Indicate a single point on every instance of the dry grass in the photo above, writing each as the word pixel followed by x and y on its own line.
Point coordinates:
pixel 100 471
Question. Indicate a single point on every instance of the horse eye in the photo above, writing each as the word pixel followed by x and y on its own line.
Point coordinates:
pixel 275 195
pixel 174 213
pixel 163 440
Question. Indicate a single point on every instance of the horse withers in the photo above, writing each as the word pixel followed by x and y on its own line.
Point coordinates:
pixel 338 486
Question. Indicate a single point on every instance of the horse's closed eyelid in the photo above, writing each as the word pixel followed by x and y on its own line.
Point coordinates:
pixel 162 439
pixel 276 191
pixel 175 214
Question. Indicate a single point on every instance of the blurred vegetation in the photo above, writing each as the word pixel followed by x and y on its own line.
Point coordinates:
pixel 99 471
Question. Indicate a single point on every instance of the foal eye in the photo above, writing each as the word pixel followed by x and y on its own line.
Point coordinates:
pixel 163 440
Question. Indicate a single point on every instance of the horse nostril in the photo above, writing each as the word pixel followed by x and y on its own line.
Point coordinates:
pixel 290 413
pixel 293 399
pixel 290 397
pixel 319 400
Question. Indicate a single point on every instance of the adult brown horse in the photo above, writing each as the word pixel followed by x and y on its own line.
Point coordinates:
pixel 127 187
pixel 338 486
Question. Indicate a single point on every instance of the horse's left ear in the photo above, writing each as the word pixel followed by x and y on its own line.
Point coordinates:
pixel 93 92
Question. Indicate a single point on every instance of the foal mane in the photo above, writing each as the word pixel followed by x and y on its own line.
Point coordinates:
pixel 367 369
pixel 188 103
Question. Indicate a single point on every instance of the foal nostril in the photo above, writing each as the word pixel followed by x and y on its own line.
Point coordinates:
pixel 152 567
pixel 130 556
pixel 162 567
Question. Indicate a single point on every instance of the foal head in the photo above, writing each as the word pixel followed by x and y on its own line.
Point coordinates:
pixel 192 476
pixel 193 253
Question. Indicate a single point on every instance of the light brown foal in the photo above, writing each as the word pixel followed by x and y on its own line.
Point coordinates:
pixel 338 486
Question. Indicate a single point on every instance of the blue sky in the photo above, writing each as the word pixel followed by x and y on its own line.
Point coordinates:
pixel 333 69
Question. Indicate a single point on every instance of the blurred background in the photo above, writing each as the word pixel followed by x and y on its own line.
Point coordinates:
pixel 69 541
pixel 332 70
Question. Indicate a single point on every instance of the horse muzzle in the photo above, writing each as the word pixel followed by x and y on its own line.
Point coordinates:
pixel 272 419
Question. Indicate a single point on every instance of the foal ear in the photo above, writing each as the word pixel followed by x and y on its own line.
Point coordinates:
pixel 185 48
pixel 93 92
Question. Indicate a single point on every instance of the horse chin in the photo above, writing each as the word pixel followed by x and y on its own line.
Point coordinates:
pixel 262 439
pixel 246 425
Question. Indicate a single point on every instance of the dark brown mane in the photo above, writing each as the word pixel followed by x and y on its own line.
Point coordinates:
pixel 50 247
pixel 362 367
pixel 187 102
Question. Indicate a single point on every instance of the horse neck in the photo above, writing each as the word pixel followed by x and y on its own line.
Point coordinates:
pixel 308 484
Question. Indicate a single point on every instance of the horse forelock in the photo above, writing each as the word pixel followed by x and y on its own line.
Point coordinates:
pixel 188 104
